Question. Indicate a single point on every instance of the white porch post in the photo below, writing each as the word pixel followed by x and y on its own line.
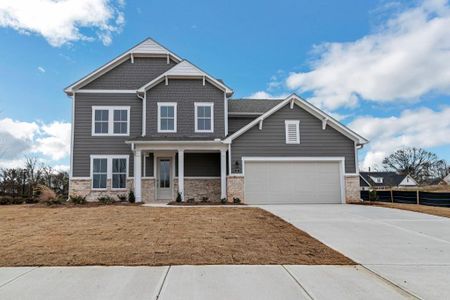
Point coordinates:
pixel 137 175
pixel 181 173
pixel 223 173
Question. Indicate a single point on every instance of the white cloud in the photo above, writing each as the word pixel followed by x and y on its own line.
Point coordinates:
pixel 419 128
pixel 266 95
pixel 403 60
pixel 18 139
pixel 61 21
pixel 41 69
pixel 55 142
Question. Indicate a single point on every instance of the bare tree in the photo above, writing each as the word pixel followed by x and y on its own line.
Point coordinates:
pixel 422 165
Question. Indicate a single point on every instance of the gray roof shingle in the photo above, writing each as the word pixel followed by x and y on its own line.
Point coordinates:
pixel 251 105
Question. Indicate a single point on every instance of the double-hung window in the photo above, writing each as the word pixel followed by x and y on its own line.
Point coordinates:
pixel 119 173
pixel 109 167
pixel 110 120
pixel 204 117
pixel 167 117
pixel 99 173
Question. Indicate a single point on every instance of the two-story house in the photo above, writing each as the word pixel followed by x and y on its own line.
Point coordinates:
pixel 155 123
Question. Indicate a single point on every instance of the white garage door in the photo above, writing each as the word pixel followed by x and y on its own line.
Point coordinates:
pixel 288 182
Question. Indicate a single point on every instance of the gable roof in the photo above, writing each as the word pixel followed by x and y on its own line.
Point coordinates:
pixel 251 106
pixel 294 99
pixel 148 47
pixel 389 178
pixel 185 69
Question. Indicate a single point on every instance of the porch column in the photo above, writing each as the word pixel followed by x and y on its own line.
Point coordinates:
pixel 223 174
pixel 181 173
pixel 137 175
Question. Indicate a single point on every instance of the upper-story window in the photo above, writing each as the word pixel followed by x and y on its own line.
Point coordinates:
pixel 377 179
pixel 167 117
pixel 292 129
pixel 110 120
pixel 204 117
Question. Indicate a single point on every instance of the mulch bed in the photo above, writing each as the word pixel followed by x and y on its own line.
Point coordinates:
pixel 431 210
pixel 131 235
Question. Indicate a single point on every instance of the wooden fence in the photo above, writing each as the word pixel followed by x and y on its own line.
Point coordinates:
pixel 409 197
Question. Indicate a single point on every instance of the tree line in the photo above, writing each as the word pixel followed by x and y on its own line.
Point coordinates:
pixel 23 182
pixel 422 165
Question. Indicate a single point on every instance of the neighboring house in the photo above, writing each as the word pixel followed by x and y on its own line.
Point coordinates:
pixel 155 123
pixel 385 180
pixel 447 179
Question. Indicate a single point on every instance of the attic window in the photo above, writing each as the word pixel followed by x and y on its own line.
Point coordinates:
pixel 292 131
pixel 377 179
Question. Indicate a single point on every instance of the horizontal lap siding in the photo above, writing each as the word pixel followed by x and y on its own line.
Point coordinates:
pixel 271 141
pixel 236 123
pixel 130 76
pixel 85 144
pixel 185 92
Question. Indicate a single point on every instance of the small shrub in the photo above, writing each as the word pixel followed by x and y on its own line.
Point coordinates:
pixel 16 200
pixel 31 200
pixel 205 199
pixel 131 197
pixel 223 200
pixel 6 200
pixel 122 197
pixel 191 200
pixel 55 201
pixel 178 198
pixel 106 199
pixel 77 199
pixel 373 195
pixel 236 200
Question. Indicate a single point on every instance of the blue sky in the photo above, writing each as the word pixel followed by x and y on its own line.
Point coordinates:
pixel 378 66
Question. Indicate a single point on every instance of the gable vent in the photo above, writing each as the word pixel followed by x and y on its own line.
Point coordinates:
pixel 292 131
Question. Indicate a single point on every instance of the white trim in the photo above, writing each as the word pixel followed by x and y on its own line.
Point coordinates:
pixel 87 91
pixel 137 172
pixel 229 160
pixel 185 70
pixel 171 104
pixel 80 178
pixel 109 159
pixel 402 183
pixel 339 159
pixel 203 104
pixel 225 105
pixel 297 133
pixel 148 177
pixel 110 110
pixel 72 135
pixel 136 51
pixel 223 174
pixel 309 108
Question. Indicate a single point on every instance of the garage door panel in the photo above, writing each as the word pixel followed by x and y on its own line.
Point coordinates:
pixel 285 182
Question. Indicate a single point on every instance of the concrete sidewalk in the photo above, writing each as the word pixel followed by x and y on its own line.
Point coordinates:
pixel 411 250
pixel 196 282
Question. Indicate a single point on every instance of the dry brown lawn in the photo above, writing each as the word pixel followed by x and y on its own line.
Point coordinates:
pixel 130 235
pixel 431 210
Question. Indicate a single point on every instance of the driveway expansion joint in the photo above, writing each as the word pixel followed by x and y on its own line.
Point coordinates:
pixel 17 277
pixel 298 282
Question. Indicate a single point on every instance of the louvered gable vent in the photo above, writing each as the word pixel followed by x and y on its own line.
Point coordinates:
pixel 292 131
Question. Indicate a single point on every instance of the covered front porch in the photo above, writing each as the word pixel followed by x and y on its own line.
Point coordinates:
pixel 191 169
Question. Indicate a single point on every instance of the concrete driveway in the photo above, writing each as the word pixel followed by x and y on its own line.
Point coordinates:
pixel 411 250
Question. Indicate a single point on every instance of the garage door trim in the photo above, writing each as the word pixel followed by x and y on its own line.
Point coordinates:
pixel 339 159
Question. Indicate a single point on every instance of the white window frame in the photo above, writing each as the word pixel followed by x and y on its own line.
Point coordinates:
pixel 109 159
pixel 377 179
pixel 204 104
pixel 286 125
pixel 110 110
pixel 174 105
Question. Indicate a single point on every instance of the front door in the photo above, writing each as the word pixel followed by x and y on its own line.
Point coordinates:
pixel 164 179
